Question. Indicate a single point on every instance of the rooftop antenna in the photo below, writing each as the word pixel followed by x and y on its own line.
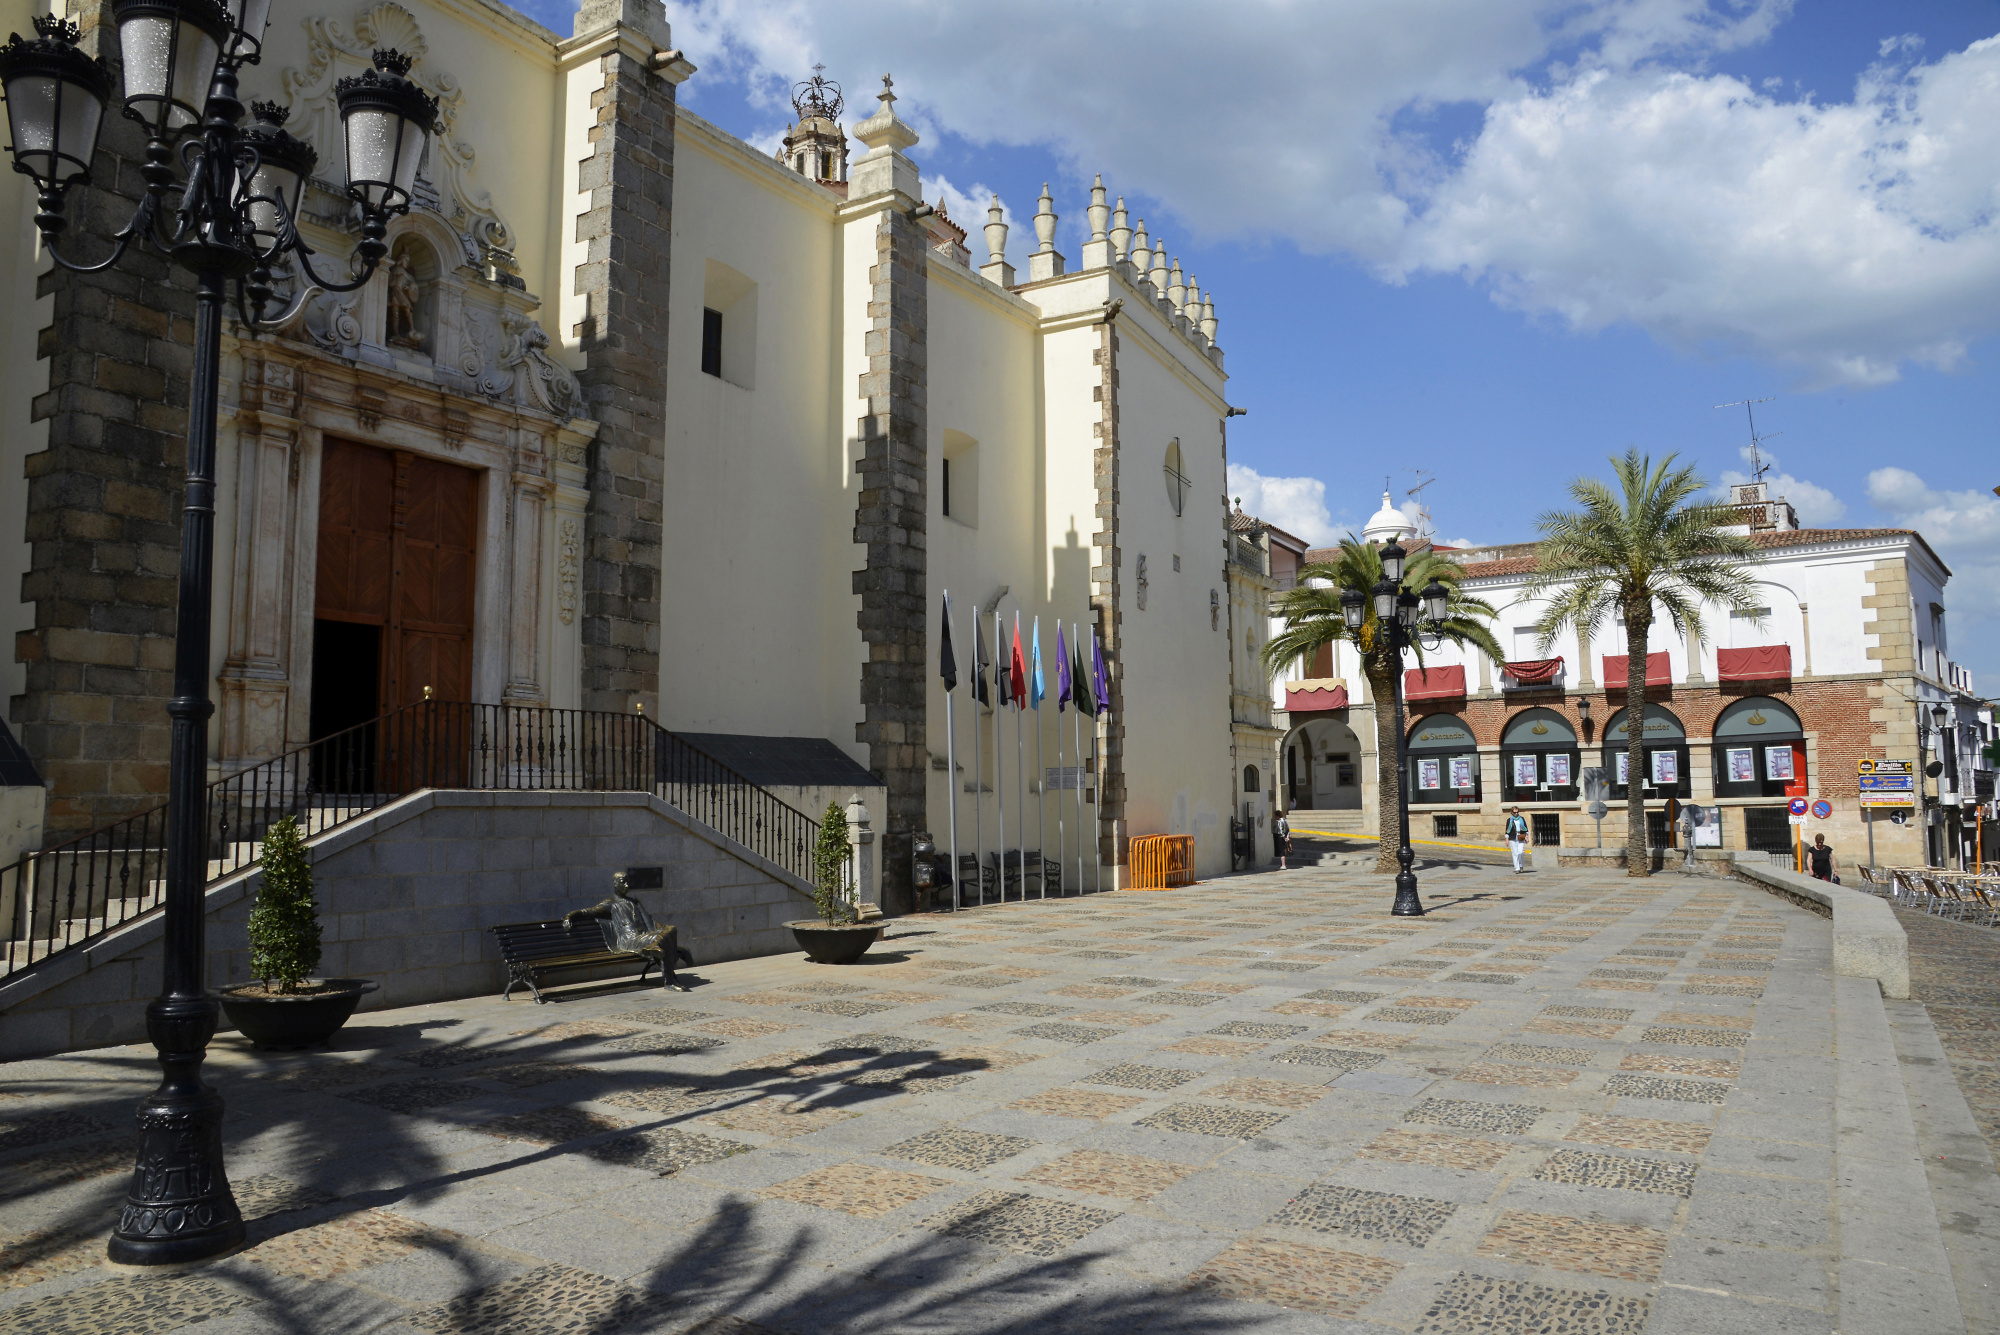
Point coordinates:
pixel 1757 465
pixel 1425 529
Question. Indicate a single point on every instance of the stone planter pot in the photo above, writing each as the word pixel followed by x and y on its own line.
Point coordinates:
pixel 825 944
pixel 296 1021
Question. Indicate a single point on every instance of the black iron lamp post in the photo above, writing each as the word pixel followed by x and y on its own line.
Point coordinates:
pixel 222 201
pixel 1405 618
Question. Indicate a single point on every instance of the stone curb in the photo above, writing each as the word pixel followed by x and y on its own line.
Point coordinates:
pixel 1868 942
pixel 1895 1274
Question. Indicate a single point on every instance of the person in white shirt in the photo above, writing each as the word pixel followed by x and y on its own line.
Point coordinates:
pixel 1517 837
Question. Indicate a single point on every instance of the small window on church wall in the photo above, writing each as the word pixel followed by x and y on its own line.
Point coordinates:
pixel 729 326
pixel 1249 778
pixel 958 478
pixel 711 343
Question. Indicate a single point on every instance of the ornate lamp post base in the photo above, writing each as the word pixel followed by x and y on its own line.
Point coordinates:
pixel 179 1208
pixel 1407 903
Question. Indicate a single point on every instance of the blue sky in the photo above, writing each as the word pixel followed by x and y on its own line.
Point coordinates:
pixel 1500 240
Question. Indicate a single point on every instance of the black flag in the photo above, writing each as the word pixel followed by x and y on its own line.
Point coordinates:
pixel 978 662
pixel 947 661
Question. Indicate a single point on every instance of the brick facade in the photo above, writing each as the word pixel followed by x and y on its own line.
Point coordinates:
pixel 1105 604
pixel 103 503
pixel 1838 715
pixel 623 337
pixel 891 521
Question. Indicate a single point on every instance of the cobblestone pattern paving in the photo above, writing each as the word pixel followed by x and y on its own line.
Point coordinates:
pixel 1554 1104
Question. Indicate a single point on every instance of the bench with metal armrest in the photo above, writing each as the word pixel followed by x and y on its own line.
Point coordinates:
pixel 531 949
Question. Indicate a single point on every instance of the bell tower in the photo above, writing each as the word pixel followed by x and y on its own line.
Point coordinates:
pixel 816 146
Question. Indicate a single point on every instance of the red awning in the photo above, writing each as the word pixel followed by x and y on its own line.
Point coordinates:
pixel 1535 671
pixel 1769 662
pixel 1304 699
pixel 1438 683
pixel 1658 673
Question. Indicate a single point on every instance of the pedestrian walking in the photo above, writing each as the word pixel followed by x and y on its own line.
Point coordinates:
pixel 1822 860
pixel 1281 835
pixel 1517 837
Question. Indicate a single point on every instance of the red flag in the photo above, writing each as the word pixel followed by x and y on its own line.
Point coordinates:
pixel 1019 668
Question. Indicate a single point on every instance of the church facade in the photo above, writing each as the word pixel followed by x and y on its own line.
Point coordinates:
pixel 637 417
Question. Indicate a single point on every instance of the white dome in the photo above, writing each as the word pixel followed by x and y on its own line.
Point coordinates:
pixel 1388 522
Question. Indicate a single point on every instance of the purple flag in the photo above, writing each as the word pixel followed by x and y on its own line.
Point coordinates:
pixel 1062 670
pixel 1103 691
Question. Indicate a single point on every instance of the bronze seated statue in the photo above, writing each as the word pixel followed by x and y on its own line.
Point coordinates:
pixel 628 927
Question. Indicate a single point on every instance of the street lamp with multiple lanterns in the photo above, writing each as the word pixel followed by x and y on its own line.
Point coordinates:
pixel 1404 619
pixel 221 200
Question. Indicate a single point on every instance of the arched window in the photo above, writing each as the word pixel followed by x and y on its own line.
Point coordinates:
pixel 1760 749
pixel 1177 478
pixel 1249 778
pixel 1664 755
pixel 1443 761
pixel 1538 758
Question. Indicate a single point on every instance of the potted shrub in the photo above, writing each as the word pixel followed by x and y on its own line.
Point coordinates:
pixel 834 937
pixel 288 1007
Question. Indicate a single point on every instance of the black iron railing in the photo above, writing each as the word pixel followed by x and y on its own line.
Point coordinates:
pixel 69 894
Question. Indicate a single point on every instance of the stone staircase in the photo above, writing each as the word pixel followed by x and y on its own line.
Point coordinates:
pixel 1351 821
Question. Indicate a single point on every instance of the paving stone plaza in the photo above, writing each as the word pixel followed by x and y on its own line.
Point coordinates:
pixel 1566 1102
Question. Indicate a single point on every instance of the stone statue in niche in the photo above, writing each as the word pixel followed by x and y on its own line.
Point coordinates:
pixel 403 296
pixel 629 927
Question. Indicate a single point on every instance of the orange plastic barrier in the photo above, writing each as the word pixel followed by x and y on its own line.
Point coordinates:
pixel 1162 861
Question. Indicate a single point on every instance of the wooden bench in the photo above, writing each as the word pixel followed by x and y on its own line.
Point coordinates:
pixel 531 949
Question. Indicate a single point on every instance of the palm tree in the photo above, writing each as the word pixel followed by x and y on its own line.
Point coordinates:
pixel 1313 619
pixel 1643 549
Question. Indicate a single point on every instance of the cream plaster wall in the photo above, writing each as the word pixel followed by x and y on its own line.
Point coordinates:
pixel 1176 666
pixel 758 473
pixel 23 378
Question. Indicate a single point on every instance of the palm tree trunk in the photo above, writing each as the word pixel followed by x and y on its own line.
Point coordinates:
pixel 1638 858
pixel 1388 773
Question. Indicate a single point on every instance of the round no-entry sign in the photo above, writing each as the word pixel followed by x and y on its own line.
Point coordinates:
pixel 1822 808
pixel 1798 805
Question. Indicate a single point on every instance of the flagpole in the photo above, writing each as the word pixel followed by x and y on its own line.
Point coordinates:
pixel 1062 835
pixel 951 771
pixel 1020 770
pixel 1076 726
pixel 978 774
pixel 999 763
pixel 1036 692
pixel 1097 793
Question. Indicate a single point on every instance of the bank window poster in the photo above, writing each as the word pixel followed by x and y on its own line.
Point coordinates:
pixel 1429 774
pixel 1624 767
pixel 1778 762
pixel 1666 769
pixel 1524 772
pixel 1461 771
pixel 1558 771
pixel 1743 764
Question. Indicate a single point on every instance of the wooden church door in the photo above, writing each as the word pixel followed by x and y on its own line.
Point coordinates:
pixel 393 593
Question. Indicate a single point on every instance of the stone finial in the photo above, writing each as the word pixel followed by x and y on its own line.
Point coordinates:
pixel 1121 231
pixel 1045 262
pixel 1097 252
pixel 1158 274
pixel 996 266
pixel 1176 287
pixel 1208 317
pixel 885 168
pixel 1142 252
pixel 1045 221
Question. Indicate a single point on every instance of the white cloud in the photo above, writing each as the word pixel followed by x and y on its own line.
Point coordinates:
pixel 1605 185
pixel 1295 504
pixel 1817 507
pixel 1964 527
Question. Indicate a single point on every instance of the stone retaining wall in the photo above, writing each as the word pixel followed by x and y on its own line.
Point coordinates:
pixel 406 896
pixel 1868 942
